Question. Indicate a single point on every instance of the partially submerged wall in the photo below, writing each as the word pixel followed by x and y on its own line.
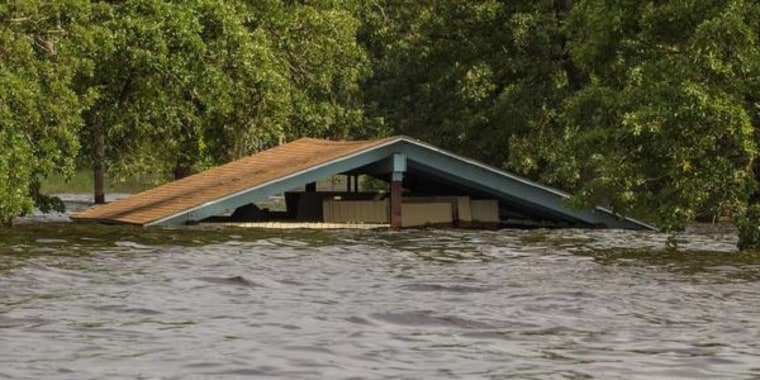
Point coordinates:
pixel 426 214
pixel 415 211
pixel 485 210
pixel 339 211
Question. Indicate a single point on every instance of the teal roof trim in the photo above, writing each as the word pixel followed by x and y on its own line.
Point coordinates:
pixel 430 159
pixel 259 193
pixel 502 184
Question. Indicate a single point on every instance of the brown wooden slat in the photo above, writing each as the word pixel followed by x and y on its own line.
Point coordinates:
pixel 190 192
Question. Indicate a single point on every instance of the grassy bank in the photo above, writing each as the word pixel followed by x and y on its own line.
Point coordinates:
pixel 82 182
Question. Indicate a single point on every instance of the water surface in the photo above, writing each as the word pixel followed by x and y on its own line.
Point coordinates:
pixel 93 302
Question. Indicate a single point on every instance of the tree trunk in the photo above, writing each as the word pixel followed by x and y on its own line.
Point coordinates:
pixel 577 78
pixel 747 222
pixel 182 170
pixel 99 158
pixel 753 107
pixel 564 6
pixel 183 166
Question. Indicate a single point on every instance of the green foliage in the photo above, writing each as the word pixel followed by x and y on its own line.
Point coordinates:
pixel 323 65
pixel 174 86
pixel 432 80
pixel 664 113
pixel 175 79
pixel 39 110
pixel 81 181
pixel 185 85
pixel 748 226
pixel 649 108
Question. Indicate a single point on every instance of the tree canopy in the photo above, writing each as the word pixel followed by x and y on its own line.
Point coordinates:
pixel 649 108
pixel 40 112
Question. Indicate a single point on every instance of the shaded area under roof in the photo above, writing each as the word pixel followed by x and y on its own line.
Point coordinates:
pixel 222 189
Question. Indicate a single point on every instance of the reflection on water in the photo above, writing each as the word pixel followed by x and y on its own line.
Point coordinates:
pixel 118 302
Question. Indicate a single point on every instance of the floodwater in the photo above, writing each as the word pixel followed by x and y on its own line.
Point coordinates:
pixel 94 302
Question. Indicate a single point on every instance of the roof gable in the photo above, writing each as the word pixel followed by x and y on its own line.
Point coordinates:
pixel 222 189
pixel 177 197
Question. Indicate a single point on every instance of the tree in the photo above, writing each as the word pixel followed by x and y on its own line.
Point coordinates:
pixel 185 85
pixel 649 108
pixel 181 85
pixel 662 129
pixel 40 54
pixel 465 75
pixel 324 64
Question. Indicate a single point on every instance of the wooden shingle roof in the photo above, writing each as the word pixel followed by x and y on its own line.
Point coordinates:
pixel 209 186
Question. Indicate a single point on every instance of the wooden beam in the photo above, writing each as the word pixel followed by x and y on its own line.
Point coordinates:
pixel 99 164
pixel 398 165
pixel 390 164
pixel 396 191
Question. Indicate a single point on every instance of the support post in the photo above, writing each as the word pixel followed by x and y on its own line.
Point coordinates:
pixel 98 166
pixel 396 191
pixel 397 178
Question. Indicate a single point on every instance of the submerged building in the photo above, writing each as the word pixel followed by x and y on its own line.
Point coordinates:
pixel 426 186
